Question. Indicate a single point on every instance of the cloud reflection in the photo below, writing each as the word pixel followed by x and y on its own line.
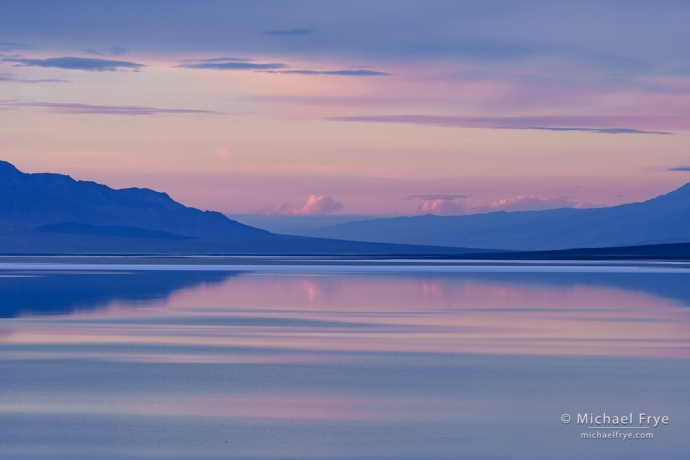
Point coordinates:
pixel 615 314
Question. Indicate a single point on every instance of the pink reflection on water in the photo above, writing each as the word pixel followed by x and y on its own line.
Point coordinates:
pixel 220 358
pixel 380 293
pixel 284 406
pixel 320 407
pixel 385 313
pixel 296 407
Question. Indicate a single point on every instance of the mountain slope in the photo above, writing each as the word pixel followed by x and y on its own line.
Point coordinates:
pixel 662 219
pixel 33 200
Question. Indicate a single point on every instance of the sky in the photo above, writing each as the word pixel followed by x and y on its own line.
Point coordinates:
pixel 356 107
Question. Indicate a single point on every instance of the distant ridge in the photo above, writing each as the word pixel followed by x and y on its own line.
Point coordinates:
pixel 656 252
pixel 55 214
pixel 34 200
pixel 665 219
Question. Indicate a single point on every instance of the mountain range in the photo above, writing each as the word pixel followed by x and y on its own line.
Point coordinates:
pixel 33 200
pixel 55 214
pixel 664 219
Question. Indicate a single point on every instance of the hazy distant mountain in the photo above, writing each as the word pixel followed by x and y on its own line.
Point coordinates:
pixel 665 219
pixel 33 200
pixel 295 225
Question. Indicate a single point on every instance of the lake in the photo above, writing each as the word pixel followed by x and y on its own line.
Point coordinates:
pixel 309 358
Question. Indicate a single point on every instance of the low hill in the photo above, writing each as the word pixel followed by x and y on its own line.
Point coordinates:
pixel 665 219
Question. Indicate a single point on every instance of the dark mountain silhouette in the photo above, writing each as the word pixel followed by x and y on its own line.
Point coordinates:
pixel 55 214
pixel 72 228
pixel 668 252
pixel 32 200
pixel 32 242
pixel 665 219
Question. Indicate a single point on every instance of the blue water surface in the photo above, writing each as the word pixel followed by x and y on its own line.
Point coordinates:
pixel 317 362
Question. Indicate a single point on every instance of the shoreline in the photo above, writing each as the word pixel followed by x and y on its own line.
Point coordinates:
pixel 327 263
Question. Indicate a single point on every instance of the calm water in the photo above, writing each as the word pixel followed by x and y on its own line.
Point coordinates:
pixel 341 362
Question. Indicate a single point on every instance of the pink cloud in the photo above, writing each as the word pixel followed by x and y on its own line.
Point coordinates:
pixel 442 207
pixel 523 203
pixel 222 152
pixel 282 208
pixel 316 205
pixel 519 203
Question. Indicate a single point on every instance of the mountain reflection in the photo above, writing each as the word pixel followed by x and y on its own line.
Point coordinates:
pixel 669 286
pixel 26 293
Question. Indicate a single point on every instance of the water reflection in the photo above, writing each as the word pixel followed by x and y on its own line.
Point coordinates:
pixel 602 314
pixel 50 292
pixel 213 364
pixel 26 292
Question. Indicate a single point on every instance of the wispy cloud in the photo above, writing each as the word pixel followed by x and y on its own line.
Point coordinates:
pixel 601 130
pixel 526 203
pixel 14 78
pixel 12 46
pixel 281 208
pixel 234 63
pixel 290 32
pixel 351 73
pixel 444 206
pixel 315 205
pixel 77 63
pixel 113 51
pixel 129 110
pixel 680 168
pixel 436 197
pixel 229 64
pixel 546 123
pixel 219 59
